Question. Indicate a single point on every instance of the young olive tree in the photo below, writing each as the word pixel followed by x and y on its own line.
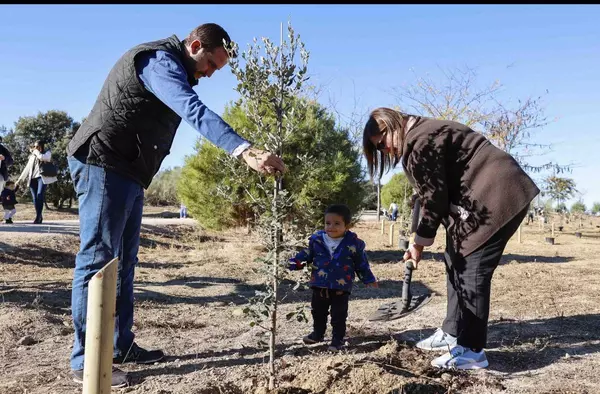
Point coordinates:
pixel 270 79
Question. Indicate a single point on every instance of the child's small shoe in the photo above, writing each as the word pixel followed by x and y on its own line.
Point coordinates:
pixel 9 221
pixel 311 339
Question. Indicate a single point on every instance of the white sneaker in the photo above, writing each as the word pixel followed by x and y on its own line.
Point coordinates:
pixel 461 358
pixel 438 341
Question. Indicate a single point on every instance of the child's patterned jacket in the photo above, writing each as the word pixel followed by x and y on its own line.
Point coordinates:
pixel 337 271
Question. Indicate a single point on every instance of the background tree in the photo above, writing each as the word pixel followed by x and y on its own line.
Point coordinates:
pixel 578 207
pixel 595 208
pixel 55 128
pixel 324 168
pixel 398 190
pixel 560 189
pixel 163 189
pixel 457 96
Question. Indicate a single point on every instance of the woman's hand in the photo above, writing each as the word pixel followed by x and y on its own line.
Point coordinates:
pixel 414 253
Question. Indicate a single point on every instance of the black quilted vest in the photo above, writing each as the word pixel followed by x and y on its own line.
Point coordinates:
pixel 129 130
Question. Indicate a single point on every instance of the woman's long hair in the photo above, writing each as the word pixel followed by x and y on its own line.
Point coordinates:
pixel 382 121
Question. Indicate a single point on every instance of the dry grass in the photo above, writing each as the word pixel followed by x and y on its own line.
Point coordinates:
pixel 190 284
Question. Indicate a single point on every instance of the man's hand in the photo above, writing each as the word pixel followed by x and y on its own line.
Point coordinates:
pixel 1 157
pixel 414 252
pixel 262 161
pixel 373 284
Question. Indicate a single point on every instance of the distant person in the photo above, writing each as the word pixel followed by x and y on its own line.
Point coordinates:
pixel 336 255
pixel 530 215
pixel 394 211
pixel 32 176
pixel 478 192
pixel 182 211
pixel 9 200
pixel 115 154
pixel 6 160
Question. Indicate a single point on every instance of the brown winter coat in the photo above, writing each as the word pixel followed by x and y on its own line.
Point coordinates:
pixel 463 182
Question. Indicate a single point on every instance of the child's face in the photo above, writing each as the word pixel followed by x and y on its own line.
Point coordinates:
pixel 334 225
pixel 10 187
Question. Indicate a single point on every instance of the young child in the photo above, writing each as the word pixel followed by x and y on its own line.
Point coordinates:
pixel 334 255
pixel 9 200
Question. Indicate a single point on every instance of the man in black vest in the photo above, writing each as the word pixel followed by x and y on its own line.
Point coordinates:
pixel 117 151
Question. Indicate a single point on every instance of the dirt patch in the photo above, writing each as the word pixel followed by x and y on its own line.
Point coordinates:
pixel 190 285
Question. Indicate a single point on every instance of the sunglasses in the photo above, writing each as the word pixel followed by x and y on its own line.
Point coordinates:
pixel 381 144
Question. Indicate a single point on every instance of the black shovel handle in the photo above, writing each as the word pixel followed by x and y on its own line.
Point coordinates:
pixel 409 266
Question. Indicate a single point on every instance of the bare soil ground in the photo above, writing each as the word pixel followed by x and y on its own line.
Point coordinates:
pixel 544 332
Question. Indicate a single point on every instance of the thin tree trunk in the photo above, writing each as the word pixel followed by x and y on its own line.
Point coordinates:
pixel 276 242
pixel 272 372
pixel 378 199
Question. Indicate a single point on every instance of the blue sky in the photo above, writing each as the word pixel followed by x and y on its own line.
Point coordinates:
pixel 57 57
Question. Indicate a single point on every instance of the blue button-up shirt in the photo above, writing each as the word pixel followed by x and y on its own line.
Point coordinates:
pixel 165 76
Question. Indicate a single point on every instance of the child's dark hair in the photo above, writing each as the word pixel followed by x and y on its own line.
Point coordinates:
pixel 342 210
pixel 9 183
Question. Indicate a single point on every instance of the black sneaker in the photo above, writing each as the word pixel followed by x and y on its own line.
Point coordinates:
pixel 138 355
pixel 9 221
pixel 312 338
pixel 336 345
pixel 119 378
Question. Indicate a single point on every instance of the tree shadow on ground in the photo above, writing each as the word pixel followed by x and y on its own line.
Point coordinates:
pixel 32 254
pixel 396 256
pixel 173 235
pixel 517 346
pixel 241 292
pixel 248 355
pixel 52 296
pixel 512 257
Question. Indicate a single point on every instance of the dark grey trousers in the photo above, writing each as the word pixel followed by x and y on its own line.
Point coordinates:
pixel 469 280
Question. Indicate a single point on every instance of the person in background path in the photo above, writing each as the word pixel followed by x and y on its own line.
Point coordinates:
pixel 6 160
pixel 115 154
pixel 9 200
pixel 394 211
pixel 32 176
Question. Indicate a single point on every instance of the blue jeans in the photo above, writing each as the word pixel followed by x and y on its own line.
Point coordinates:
pixel 110 218
pixel 38 192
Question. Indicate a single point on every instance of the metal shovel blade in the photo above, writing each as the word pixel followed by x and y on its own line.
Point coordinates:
pixel 396 310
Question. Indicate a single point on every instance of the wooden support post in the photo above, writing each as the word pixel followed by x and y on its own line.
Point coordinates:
pixel 100 327
pixel 552 229
pixel 392 234
pixel 519 233
pixel 382 227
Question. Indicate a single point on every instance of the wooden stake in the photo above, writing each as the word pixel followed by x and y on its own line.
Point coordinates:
pixel 100 327
pixel 382 227
pixel 519 234
pixel 392 234
pixel 552 229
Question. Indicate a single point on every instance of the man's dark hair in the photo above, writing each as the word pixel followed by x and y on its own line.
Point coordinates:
pixel 342 210
pixel 9 183
pixel 40 143
pixel 210 35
